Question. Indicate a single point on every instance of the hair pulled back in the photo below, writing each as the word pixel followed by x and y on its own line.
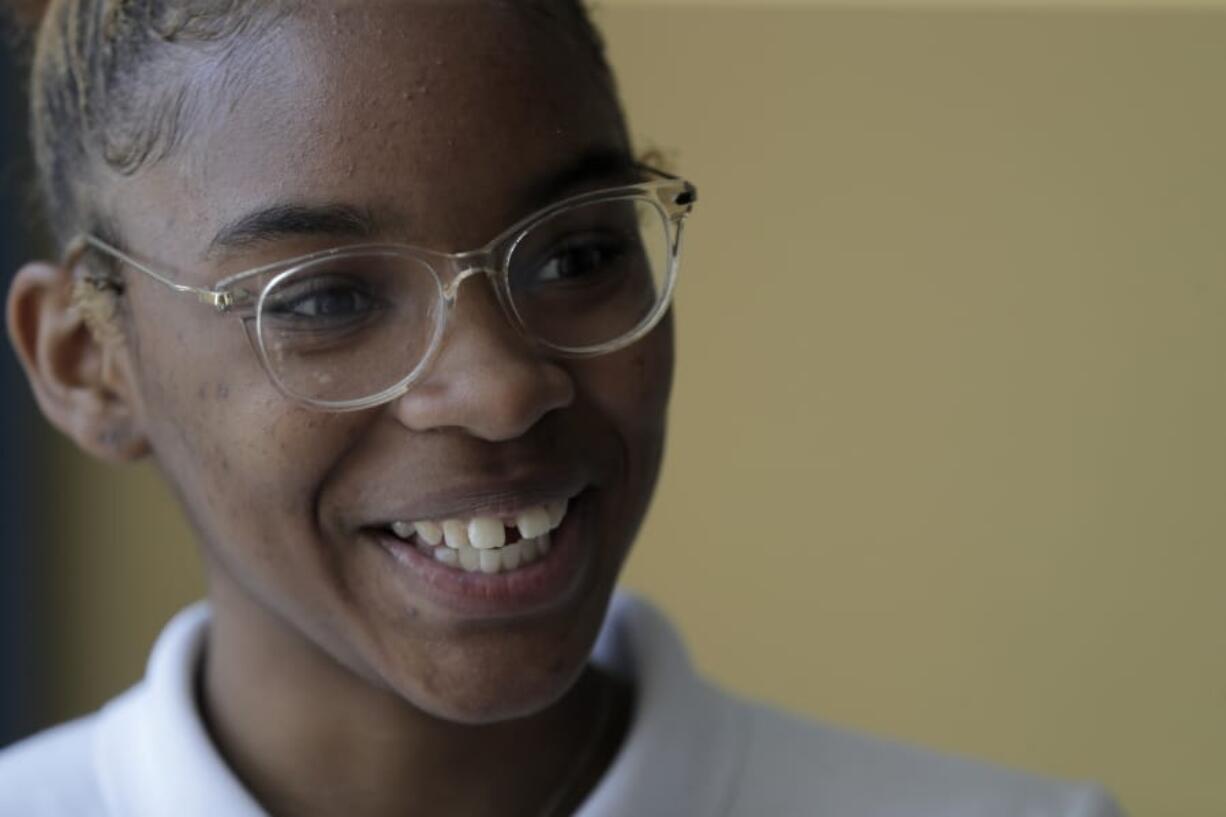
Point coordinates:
pixel 110 87
pixel 111 84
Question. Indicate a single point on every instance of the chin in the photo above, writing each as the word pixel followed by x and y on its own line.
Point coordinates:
pixel 484 695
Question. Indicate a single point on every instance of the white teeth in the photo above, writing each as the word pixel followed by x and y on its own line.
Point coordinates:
pixel 533 522
pixel 456 533
pixel 491 561
pixel 480 543
pixel 470 559
pixel 486 532
pixel 511 556
pixel 429 532
pixel 556 510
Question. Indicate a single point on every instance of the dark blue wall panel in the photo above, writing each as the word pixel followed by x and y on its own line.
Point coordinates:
pixel 18 676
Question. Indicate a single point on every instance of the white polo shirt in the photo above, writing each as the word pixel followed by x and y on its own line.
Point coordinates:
pixel 691 750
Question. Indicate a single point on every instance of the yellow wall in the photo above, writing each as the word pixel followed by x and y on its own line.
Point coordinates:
pixel 947 459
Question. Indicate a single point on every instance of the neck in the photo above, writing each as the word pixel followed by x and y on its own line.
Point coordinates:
pixel 309 737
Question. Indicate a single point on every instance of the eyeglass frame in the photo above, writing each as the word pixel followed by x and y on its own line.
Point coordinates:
pixel 672 196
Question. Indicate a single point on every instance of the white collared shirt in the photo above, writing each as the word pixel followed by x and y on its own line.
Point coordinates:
pixel 692 750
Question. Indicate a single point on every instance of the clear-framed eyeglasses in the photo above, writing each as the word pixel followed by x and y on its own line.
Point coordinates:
pixel 357 326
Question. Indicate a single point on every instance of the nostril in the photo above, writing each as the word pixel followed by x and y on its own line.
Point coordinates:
pixel 489 386
pixel 511 402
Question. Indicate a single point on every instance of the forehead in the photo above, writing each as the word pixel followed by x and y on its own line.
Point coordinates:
pixel 437 111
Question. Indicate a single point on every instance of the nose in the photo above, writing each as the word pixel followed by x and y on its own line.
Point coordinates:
pixel 487 380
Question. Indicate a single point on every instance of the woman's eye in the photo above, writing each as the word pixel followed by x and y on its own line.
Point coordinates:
pixel 329 301
pixel 576 260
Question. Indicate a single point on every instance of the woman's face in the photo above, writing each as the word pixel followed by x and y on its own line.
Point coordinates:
pixel 440 124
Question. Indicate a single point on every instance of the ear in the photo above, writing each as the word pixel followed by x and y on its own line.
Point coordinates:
pixel 82 379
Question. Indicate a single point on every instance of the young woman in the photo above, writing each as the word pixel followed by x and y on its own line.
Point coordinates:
pixel 381 289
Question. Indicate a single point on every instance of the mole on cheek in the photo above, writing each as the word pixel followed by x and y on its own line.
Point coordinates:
pixel 640 364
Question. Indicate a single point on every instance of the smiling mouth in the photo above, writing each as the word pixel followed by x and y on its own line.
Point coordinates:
pixel 485 544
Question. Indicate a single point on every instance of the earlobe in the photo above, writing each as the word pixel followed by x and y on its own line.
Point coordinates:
pixel 81 374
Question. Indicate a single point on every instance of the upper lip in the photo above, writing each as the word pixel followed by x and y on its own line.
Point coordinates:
pixel 488 497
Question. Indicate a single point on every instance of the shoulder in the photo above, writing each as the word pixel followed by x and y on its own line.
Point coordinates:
pixel 793 766
pixel 720 755
pixel 51 774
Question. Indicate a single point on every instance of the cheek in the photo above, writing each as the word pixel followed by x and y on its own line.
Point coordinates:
pixel 630 391
pixel 244 460
pixel 632 387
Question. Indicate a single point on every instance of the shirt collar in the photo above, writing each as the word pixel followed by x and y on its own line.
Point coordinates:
pixel 686 739
pixel 155 756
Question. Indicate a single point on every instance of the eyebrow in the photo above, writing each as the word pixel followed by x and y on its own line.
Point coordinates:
pixel 595 164
pixel 341 220
pixel 294 219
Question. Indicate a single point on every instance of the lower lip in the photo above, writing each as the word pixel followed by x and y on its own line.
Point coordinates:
pixel 543 585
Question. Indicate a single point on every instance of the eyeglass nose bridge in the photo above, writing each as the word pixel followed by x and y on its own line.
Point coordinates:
pixel 465 265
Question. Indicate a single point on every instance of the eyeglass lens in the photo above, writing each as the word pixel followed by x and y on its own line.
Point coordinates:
pixel 344 329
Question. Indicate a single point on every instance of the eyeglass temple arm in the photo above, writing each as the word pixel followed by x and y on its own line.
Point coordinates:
pixel 684 200
pixel 221 301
